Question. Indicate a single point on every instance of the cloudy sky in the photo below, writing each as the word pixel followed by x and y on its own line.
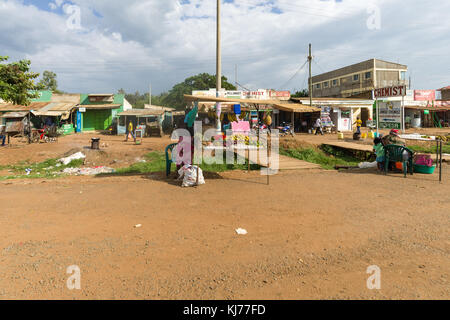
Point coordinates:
pixel 104 45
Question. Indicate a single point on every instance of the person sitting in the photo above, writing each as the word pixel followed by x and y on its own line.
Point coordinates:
pixel 393 138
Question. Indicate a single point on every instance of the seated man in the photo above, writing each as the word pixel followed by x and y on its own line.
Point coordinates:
pixel 393 138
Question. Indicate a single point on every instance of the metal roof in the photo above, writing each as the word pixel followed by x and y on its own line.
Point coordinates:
pixel 100 106
pixel 296 107
pixel 17 114
pixel 141 112
pixel 14 107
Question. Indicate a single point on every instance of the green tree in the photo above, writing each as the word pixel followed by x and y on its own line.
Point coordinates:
pixel 17 82
pixel 49 82
pixel 301 94
pixel 202 81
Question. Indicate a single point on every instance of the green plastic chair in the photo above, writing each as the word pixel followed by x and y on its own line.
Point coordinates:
pixel 169 159
pixel 394 153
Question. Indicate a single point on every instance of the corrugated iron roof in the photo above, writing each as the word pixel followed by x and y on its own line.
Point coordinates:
pixel 14 107
pixel 141 112
pixel 296 107
pixel 100 106
pixel 16 114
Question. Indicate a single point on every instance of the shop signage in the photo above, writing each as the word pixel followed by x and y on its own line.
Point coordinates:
pixel 424 95
pixel 281 95
pixel 390 114
pixel 82 109
pixel 395 91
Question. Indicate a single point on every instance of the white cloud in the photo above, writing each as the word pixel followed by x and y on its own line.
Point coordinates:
pixel 130 43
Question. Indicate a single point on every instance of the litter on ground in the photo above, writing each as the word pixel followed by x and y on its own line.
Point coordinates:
pixel 241 231
pixel 75 156
pixel 189 175
pixel 88 171
pixel 367 165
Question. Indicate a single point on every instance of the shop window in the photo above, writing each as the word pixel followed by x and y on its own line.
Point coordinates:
pixel 356 77
pixel 335 82
pixel 318 86
pixel 325 84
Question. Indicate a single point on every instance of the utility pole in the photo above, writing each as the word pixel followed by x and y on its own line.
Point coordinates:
pixel 150 95
pixel 310 76
pixel 235 76
pixel 218 70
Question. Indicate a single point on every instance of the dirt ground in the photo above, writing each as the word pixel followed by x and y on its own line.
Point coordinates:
pixel 311 234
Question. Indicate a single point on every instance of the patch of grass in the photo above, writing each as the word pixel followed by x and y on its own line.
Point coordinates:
pixel 320 157
pixel 156 162
pixel 47 169
pixel 429 149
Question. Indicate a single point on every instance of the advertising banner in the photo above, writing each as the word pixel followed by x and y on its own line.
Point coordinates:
pixel 390 114
pixel 424 95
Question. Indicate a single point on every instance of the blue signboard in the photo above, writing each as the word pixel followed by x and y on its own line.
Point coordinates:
pixel 78 121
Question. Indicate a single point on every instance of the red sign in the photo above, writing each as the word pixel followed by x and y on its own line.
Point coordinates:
pixel 396 91
pixel 280 94
pixel 424 95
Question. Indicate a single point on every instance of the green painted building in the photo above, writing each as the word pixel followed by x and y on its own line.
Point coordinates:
pixel 99 111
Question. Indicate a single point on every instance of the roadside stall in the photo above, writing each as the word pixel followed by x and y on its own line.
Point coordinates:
pixel 148 121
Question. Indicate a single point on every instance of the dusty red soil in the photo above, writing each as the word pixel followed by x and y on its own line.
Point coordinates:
pixel 311 234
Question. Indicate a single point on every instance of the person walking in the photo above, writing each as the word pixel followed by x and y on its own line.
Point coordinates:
pixel 358 123
pixel 318 126
pixel 131 131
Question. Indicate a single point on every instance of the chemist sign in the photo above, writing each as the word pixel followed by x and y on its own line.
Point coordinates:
pixel 395 91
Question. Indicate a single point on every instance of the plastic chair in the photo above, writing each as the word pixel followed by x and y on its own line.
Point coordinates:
pixel 169 159
pixel 395 153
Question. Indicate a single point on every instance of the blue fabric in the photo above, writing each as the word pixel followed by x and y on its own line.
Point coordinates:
pixel 190 117
pixel 237 109
pixel 381 159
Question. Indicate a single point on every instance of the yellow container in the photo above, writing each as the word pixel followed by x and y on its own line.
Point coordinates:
pixel 340 136
pixel 371 135
pixel 363 135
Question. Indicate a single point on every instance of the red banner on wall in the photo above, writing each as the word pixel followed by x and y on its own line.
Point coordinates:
pixel 424 95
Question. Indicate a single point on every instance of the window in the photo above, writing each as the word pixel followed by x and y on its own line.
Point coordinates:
pixel 356 77
pixel 325 84
pixel 402 75
pixel 335 82
pixel 318 86
pixel 368 75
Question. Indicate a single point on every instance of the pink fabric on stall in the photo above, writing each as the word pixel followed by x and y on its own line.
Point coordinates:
pixel 424 160
pixel 241 127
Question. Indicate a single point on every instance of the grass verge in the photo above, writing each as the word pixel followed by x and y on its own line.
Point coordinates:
pixel 49 169
pixel 327 158
pixel 429 149
pixel 156 162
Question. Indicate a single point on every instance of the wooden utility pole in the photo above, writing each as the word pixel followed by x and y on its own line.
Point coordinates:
pixel 218 69
pixel 150 95
pixel 310 76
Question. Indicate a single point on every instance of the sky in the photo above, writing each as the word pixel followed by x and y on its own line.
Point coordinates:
pixel 105 45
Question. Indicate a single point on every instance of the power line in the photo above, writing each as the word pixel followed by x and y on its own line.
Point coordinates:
pixel 295 74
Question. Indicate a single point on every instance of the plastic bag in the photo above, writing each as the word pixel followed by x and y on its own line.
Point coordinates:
pixel 367 165
pixel 189 175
